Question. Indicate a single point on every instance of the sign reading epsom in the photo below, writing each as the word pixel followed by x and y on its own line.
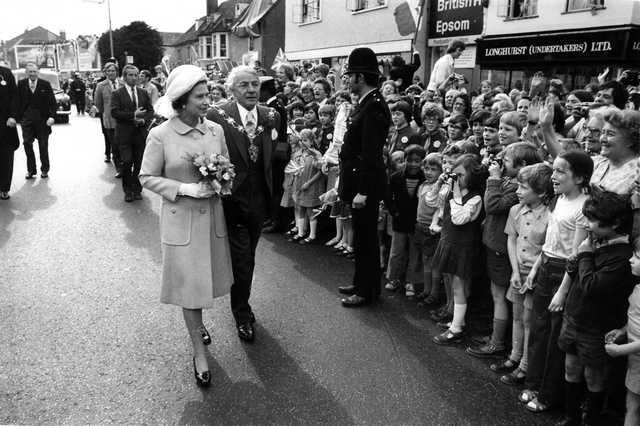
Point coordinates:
pixel 455 18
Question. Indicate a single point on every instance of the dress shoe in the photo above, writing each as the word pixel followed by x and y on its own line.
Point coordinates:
pixel 118 175
pixel 269 229
pixel 29 175
pixel 202 379
pixel 246 332
pixel 4 195
pixel 128 197
pixel 354 301
pixel 137 196
pixel 347 289
pixel 44 175
pixel 204 334
pixel 107 159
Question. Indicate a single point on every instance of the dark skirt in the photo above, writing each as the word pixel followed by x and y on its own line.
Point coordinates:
pixel 458 260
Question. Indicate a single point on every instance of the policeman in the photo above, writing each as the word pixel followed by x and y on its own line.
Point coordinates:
pixel 362 175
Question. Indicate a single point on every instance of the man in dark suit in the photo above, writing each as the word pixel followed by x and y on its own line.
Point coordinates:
pixel 77 92
pixel 362 173
pixel 37 107
pixel 132 110
pixel 249 132
pixel 9 141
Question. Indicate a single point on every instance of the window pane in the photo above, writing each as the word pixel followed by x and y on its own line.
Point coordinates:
pixel 223 45
pixel 578 4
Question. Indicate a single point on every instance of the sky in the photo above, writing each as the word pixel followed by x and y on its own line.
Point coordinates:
pixel 88 17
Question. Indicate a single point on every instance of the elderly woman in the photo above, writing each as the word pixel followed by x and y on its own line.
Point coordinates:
pixel 321 91
pixel 196 262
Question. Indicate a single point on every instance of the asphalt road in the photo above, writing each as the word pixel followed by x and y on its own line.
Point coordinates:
pixel 84 339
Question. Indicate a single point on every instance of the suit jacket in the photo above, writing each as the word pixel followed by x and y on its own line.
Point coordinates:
pixel 362 164
pixel 8 108
pixel 43 101
pixel 102 100
pixel 238 144
pixel 123 109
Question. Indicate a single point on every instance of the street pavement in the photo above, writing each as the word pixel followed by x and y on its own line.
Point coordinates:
pixel 84 339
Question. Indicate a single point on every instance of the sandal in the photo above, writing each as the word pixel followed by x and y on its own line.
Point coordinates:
pixel 292 232
pixel 527 396
pixel 431 299
pixel 295 238
pixel 535 406
pixel 332 242
pixel 306 241
pixel 506 366
pixel 516 377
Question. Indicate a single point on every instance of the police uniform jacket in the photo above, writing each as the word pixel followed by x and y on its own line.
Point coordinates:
pixel 362 163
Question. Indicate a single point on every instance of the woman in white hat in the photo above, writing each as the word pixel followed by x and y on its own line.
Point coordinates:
pixel 196 262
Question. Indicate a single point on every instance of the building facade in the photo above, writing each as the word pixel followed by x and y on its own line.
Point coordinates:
pixel 573 40
pixel 328 30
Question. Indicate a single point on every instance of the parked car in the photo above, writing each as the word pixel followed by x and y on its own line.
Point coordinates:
pixel 63 108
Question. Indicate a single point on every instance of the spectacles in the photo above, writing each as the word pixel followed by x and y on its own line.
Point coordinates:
pixel 592 130
pixel 456 126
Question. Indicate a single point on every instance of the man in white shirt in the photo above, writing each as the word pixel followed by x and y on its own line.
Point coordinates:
pixel 442 71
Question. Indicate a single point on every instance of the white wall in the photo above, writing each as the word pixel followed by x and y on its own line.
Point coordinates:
pixel 339 31
pixel 551 17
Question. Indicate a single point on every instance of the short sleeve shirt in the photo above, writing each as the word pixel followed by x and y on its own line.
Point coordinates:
pixel 529 226
pixel 633 318
pixel 565 219
pixel 614 179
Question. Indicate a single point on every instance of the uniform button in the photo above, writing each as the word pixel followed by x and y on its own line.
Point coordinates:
pixel 525 237
pixel 203 211
pixel 527 223
pixel 173 210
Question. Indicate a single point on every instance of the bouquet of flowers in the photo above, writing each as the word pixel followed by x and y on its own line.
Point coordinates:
pixel 216 170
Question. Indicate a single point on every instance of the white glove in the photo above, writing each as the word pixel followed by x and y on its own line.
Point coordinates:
pixel 196 190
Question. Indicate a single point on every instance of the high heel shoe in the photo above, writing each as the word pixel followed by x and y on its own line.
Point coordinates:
pixel 202 379
pixel 206 339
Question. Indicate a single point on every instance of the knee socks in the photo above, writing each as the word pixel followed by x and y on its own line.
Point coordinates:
pixel 459 311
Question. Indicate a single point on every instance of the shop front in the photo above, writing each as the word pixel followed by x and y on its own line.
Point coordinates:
pixel 575 57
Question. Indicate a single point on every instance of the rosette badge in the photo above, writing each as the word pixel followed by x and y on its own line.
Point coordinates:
pixel 214 169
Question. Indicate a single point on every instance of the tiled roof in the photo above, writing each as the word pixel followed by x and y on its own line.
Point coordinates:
pixel 37 35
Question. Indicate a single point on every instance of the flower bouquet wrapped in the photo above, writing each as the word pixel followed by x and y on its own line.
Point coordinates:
pixel 216 170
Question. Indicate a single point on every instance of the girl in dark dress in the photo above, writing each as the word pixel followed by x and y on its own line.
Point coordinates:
pixel 460 239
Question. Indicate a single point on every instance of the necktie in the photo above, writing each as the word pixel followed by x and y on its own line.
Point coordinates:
pixel 113 85
pixel 250 125
pixel 134 98
pixel 32 86
pixel 250 128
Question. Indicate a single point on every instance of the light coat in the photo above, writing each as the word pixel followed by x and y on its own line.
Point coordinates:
pixel 196 261
pixel 102 101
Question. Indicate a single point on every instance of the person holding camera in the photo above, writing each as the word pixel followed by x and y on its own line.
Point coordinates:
pixel 442 73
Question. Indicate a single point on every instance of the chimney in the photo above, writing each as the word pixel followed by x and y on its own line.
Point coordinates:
pixel 63 35
pixel 212 6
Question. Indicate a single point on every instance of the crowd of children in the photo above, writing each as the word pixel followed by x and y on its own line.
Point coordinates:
pixel 525 197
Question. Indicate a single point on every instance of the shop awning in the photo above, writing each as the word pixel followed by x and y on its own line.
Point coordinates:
pixel 252 15
pixel 606 45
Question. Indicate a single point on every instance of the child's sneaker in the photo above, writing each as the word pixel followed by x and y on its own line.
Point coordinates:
pixel 409 291
pixel 392 285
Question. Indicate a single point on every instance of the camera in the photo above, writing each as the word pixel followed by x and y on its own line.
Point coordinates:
pixel 450 176
pixel 493 158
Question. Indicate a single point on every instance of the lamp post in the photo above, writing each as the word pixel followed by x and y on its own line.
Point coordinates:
pixel 109 16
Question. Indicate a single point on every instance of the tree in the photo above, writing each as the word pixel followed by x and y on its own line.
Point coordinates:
pixel 136 39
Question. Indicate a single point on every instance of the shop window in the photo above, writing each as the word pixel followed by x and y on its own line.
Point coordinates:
pixel 306 11
pixel 222 43
pixel 359 5
pixel 516 9
pixel 581 5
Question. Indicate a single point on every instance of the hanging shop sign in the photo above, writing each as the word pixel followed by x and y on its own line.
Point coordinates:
pixel 449 19
pixel 571 47
pixel 634 46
